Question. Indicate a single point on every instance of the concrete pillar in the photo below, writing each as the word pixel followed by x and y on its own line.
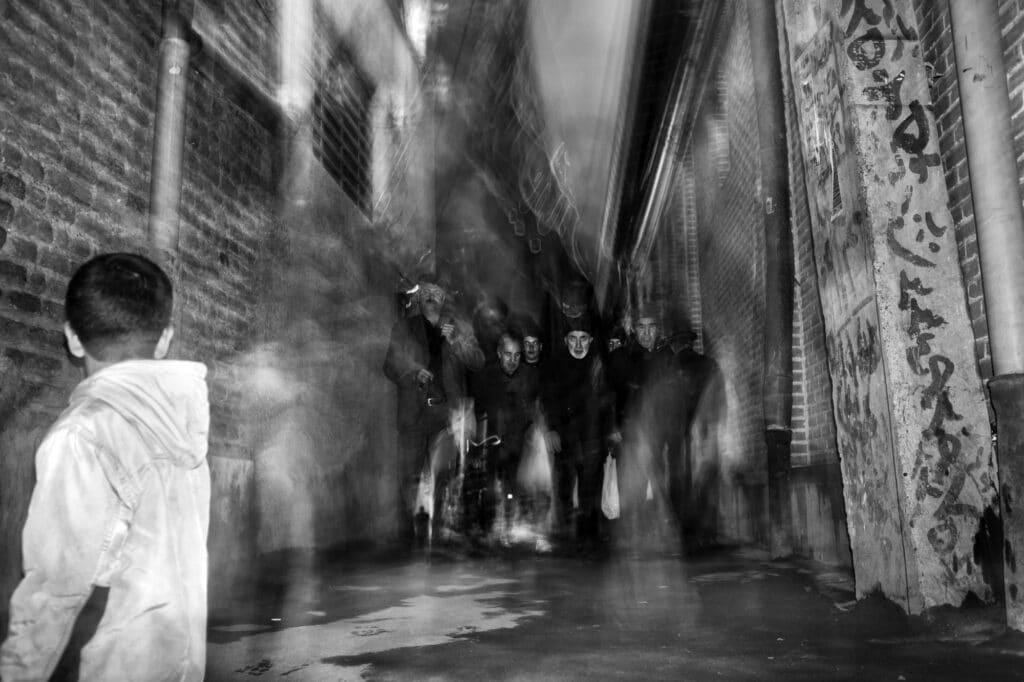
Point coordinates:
pixel 999 219
pixel 912 426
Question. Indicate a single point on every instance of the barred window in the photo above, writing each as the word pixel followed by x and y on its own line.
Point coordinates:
pixel 342 135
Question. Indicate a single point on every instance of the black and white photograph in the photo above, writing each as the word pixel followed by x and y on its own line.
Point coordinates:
pixel 462 340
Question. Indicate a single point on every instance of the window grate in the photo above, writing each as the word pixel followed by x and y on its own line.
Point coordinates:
pixel 342 135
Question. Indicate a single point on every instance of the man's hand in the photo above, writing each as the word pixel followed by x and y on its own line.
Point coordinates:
pixel 448 331
pixel 423 376
pixel 554 442
pixel 615 437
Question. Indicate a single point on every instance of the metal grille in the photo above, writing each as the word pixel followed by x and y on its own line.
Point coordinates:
pixel 341 129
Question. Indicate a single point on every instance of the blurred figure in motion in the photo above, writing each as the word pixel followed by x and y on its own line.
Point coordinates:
pixel 427 359
pixel 504 397
pixel 646 380
pixel 701 410
pixel 578 404
pixel 490 321
pixel 533 344
pixel 114 546
pixel 534 487
pixel 617 339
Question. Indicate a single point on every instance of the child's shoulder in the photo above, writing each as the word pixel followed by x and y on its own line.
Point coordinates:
pixel 80 420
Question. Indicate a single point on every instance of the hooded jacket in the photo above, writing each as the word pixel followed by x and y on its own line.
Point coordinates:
pixel 121 501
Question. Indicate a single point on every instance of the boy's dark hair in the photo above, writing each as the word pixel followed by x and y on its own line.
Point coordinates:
pixel 118 304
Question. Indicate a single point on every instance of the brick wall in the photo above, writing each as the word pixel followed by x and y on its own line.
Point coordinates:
pixel 322 413
pixel 937 45
pixel 731 247
pixel 818 511
pixel 77 90
pixel 814 434
pixel 709 267
pixel 245 32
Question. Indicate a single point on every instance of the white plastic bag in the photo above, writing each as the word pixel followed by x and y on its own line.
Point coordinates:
pixel 610 489
pixel 424 493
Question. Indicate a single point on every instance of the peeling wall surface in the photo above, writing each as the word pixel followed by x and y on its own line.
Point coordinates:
pixel 941 426
pixel 842 255
pixel 913 430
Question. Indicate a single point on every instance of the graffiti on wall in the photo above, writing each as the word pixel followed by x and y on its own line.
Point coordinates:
pixel 842 256
pixel 949 482
pixel 861 419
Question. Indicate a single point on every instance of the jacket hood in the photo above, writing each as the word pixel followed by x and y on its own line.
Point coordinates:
pixel 165 400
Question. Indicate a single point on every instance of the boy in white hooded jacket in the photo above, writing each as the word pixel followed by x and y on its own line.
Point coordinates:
pixel 121 501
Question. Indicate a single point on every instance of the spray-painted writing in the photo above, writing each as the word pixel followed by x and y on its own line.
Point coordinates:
pixel 883 46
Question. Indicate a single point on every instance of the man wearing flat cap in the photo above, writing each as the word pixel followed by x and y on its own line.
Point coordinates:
pixel 578 404
pixel 427 360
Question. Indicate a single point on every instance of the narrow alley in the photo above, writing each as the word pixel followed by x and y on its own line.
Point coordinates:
pixel 511 339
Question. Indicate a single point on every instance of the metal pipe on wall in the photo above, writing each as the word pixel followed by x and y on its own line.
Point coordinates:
pixel 778 341
pixel 999 221
pixel 992 162
pixel 169 128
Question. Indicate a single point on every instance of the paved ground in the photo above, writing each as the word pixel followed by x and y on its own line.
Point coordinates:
pixel 729 616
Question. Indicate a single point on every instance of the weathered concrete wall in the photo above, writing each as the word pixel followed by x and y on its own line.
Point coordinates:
pixel 818 508
pixel 913 432
pixel 842 256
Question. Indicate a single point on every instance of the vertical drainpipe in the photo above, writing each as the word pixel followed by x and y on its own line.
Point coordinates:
pixel 999 221
pixel 169 129
pixel 778 342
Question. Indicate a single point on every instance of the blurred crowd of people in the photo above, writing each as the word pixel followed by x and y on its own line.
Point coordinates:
pixel 553 429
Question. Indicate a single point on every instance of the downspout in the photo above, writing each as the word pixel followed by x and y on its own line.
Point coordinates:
pixel 999 221
pixel 169 129
pixel 778 333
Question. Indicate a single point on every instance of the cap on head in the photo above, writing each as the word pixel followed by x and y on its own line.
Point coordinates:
pixel 582 323
pixel 524 326
pixel 647 310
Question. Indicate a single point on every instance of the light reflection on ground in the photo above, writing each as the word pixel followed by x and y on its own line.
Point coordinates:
pixel 455 610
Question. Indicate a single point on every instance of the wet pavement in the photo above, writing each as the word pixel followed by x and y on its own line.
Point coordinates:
pixel 730 615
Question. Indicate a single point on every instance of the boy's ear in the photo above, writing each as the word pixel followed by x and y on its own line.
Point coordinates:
pixel 74 343
pixel 162 346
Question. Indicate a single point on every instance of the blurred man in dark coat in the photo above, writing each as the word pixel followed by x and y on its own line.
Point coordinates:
pixel 702 408
pixel 646 380
pixel 506 397
pixel 577 403
pixel 427 360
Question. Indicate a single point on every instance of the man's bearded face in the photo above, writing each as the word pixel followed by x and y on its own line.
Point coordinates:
pixel 509 354
pixel 578 343
pixel 531 349
pixel 431 298
pixel 646 332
